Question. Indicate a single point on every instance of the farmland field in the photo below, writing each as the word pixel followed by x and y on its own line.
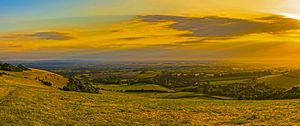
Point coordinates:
pixel 283 80
pixel 136 87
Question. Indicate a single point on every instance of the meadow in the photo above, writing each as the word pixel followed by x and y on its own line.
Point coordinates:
pixel 136 87
pixel 32 103
pixel 283 80
pixel 48 106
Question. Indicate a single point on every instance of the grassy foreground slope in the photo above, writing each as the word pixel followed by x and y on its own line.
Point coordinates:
pixel 23 103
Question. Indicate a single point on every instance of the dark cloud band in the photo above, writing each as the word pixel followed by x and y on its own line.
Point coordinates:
pixel 50 36
pixel 226 27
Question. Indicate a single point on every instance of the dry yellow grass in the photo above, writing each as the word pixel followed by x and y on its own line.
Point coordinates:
pixel 29 78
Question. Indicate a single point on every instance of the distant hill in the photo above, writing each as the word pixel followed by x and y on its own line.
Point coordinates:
pixel 287 80
pixel 9 67
pixel 33 77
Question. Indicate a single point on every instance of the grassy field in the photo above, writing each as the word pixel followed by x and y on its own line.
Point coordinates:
pixel 137 87
pixel 29 103
pixel 228 81
pixel 175 95
pixel 283 80
pixel 148 74
pixel 31 78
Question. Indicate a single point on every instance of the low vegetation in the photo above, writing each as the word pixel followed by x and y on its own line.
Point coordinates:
pixel 135 88
pixel 46 82
pixel 257 91
pixel 9 67
pixel 81 86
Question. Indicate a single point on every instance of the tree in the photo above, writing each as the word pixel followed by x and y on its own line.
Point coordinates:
pixel 206 87
pixel 9 67
pixel 22 67
pixel 81 86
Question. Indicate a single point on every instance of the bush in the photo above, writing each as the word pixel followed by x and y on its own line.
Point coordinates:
pixel 81 86
pixel 47 83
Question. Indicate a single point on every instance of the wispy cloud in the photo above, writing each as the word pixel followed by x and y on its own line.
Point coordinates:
pixel 51 36
pixel 226 27
pixel 41 36
pixel 132 38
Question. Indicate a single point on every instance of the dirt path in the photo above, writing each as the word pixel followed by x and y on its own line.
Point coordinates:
pixel 5 92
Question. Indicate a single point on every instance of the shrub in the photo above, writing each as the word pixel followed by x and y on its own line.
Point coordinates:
pixel 80 86
pixel 47 83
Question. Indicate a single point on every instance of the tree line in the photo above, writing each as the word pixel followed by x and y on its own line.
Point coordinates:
pixel 250 91
pixel 12 68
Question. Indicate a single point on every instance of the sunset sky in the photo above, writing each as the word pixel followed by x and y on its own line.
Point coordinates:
pixel 234 30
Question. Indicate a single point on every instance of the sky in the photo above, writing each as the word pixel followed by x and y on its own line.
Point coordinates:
pixel 104 30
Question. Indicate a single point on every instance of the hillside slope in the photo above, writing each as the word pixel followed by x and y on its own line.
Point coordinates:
pixel 27 102
pixel 32 78
pixel 287 80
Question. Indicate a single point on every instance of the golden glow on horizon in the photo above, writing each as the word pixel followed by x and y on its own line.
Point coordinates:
pixel 295 16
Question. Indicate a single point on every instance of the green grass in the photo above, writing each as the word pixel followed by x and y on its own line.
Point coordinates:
pixel 223 98
pixel 228 82
pixel 175 95
pixel 148 74
pixel 183 95
pixel 137 87
pixel 24 103
pixel 283 80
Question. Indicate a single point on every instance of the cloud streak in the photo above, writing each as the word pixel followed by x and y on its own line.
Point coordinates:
pixel 226 27
pixel 50 36
pixel 132 38
pixel 40 36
